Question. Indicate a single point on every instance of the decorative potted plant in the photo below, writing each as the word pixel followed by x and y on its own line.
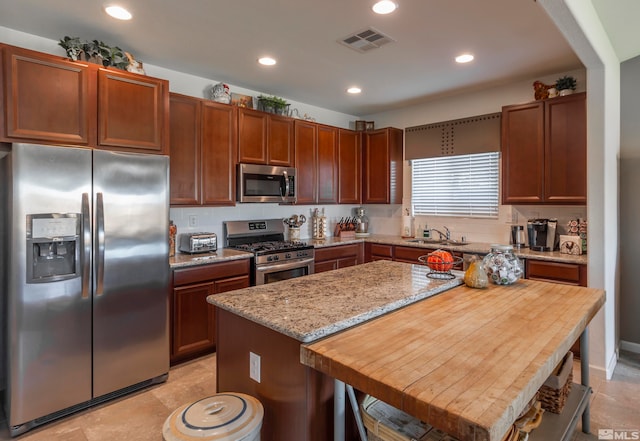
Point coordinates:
pixel 73 46
pixel 95 52
pixel 565 85
pixel 272 104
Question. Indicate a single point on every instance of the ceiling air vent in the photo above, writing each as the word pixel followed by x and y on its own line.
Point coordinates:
pixel 365 40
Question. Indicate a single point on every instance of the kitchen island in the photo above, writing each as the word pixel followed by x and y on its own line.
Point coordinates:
pixel 465 360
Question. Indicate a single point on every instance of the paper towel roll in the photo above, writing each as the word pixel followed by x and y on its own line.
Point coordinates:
pixel 407 226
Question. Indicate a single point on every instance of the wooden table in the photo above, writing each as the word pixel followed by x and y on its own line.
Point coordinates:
pixel 466 361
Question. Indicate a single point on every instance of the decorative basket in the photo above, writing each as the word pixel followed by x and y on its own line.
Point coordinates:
pixel 555 390
pixel 386 423
pixel 438 267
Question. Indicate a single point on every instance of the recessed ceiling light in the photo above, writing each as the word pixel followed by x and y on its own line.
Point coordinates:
pixel 464 58
pixel 267 61
pixel 384 7
pixel 354 90
pixel 118 12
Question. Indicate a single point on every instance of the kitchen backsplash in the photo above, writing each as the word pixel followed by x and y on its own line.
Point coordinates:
pixel 210 219
pixel 383 219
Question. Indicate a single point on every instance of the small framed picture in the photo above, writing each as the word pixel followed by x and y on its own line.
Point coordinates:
pixel 240 100
pixel 370 125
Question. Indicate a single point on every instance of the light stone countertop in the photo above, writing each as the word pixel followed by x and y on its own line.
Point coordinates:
pixel 315 306
pixel 222 254
pixel 181 260
pixel 471 247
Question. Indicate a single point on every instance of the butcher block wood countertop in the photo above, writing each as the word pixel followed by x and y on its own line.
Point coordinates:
pixel 466 361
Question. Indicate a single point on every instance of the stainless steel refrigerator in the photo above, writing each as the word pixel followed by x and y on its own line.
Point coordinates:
pixel 85 277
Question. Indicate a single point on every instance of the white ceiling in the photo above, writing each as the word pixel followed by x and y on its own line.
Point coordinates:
pixel 222 39
pixel 620 21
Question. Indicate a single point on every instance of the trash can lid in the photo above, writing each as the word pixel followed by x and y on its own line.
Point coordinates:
pixel 221 417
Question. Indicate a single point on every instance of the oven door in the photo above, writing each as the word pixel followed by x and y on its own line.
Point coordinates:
pixel 282 271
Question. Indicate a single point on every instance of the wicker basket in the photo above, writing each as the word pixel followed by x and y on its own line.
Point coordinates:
pixel 386 423
pixel 555 390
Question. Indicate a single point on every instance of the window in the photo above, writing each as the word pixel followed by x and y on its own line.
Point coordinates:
pixel 464 185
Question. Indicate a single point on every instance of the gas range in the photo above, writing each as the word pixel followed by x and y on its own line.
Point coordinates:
pixel 275 251
pixel 274 258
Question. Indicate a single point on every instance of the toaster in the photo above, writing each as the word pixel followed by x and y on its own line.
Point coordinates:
pixel 198 243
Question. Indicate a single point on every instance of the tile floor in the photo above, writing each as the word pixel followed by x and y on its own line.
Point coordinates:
pixel 615 404
pixel 139 417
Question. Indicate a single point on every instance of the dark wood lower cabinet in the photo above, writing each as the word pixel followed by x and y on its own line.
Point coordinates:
pixel 557 272
pixel 193 326
pixel 377 251
pixel 399 253
pixel 340 256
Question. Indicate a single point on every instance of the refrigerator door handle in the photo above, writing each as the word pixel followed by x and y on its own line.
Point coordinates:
pixel 86 248
pixel 99 260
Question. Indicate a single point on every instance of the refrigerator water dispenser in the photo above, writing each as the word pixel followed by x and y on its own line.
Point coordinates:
pixel 53 248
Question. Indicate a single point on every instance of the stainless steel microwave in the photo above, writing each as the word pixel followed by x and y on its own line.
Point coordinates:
pixel 266 183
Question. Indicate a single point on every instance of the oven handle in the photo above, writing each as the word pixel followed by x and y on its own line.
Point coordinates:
pixel 285 266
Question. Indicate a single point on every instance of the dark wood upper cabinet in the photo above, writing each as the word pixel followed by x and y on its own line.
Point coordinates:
pixel 133 111
pixel 327 166
pixel 219 146
pixel 382 166
pixel 523 153
pixel 252 136
pixel 203 152
pixel 280 149
pixel 316 153
pixel 544 152
pixel 53 100
pixel 264 138
pixel 306 160
pixel 349 167
pixel 184 170
pixel 47 98
pixel 566 150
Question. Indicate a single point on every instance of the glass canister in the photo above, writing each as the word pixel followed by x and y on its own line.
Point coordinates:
pixel 362 222
pixel 502 266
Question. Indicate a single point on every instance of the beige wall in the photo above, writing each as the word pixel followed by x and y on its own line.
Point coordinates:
pixel 630 204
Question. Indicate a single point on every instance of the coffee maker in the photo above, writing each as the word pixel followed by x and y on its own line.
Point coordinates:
pixel 542 234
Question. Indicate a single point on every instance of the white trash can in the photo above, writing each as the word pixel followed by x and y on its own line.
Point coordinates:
pixel 221 417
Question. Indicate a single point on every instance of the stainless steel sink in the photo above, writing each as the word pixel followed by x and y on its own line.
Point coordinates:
pixel 451 242
pixel 426 241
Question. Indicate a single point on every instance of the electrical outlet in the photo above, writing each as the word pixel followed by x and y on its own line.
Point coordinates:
pixel 254 367
pixel 193 220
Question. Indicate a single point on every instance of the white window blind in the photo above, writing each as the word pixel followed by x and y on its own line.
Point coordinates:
pixel 464 185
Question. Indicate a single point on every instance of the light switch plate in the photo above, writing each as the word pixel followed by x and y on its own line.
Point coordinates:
pixel 254 367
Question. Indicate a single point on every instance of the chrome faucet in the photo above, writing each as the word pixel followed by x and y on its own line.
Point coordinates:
pixel 446 235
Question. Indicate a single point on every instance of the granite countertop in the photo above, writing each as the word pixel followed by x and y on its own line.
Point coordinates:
pixel 181 260
pixel 471 247
pixel 315 306
pixel 222 254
